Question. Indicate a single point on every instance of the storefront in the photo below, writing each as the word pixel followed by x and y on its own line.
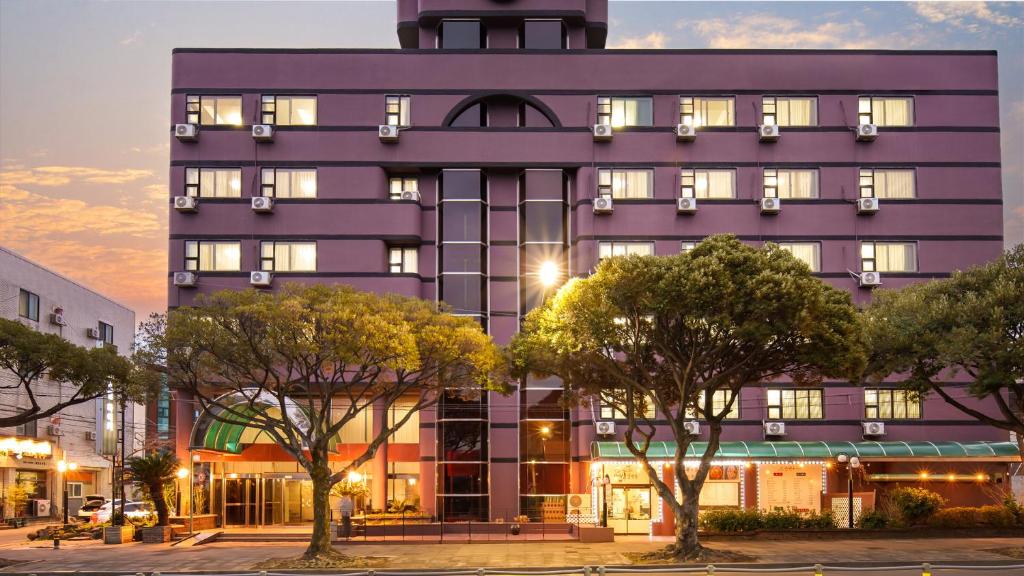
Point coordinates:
pixel 27 477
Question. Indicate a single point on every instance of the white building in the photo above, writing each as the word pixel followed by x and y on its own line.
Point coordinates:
pixel 49 302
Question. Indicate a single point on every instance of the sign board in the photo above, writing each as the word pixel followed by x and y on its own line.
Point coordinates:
pixel 789 487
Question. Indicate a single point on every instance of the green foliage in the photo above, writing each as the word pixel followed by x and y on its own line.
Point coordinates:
pixel 956 517
pixel 875 519
pixel 15 498
pixel 30 355
pixel 997 516
pixel 349 488
pixel 971 323
pixel 915 505
pixel 731 520
pixel 151 474
pixel 750 520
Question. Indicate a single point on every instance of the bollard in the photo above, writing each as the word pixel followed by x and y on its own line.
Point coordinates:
pixel 56 543
pixel 818 570
pixel 926 569
pixel 586 571
pixel 711 569
pixel 600 571
pixel 479 572
pixel 263 573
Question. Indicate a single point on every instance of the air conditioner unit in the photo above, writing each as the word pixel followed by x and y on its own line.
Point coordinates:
pixel 185 204
pixel 768 132
pixel 263 204
pixel 603 205
pixel 90 435
pixel 868 279
pixel 185 279
pixel 867 205
pixel 57 319
pixel 770 205
pixel 692 427
pixel 686 205
pixel 186 132
pixel 605 428
pixel 263 132
pixel 873 428
pixel 413 195
pixel 41 507
pixel 685 133
pixel 259 278
pixel 93 333
pixel 867 132
pixel 387 133
pixel 602 132
pixel 54 430
pixel 774 428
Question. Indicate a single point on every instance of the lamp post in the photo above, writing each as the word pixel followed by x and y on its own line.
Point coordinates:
pixel 182 474
pixel 605 483
pixel 851 462
pixel 63 467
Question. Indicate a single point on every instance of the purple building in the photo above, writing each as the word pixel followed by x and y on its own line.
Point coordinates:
pixel 502 141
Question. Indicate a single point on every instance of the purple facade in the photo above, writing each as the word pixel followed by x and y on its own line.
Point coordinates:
pixel 499 140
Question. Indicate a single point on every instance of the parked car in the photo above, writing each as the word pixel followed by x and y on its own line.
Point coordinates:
pixel 132 510
pixel 90 504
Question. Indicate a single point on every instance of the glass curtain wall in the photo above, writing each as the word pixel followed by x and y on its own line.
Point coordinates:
pixel 544 426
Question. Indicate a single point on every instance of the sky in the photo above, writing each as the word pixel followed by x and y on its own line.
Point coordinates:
pixel 85 99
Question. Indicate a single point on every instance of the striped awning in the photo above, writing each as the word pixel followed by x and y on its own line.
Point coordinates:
pixel 224 427
pixel 767 450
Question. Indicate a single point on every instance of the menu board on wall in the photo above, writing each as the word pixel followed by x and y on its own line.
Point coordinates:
pixel 789 486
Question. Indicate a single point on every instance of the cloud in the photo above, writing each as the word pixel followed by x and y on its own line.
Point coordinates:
pixel 652 40
pixel 27 216
pixel 970 16
pixel 772 31
pixel 63 175
pixel 131 38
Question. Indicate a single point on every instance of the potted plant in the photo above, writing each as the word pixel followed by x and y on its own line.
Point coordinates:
pixel 119 531
pixel 515 528
pixel 151 474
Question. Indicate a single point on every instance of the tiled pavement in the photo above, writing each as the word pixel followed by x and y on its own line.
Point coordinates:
pixel 130 558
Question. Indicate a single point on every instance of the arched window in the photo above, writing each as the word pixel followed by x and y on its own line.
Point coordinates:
pixel 501 110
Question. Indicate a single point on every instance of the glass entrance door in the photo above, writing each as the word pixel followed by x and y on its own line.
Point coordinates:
pixel 240 502
pixel 629 509
pixel 273 501
pixel 298 498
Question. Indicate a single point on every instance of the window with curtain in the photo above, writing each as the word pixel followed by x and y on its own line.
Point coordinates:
pixel 289 182
pixel 794 404
pixel 686 246
pixel 885 110
pixel 396 110
pixel 288 110
pixel 707 111
pixel 891 404
pixel 399 184
pixel 707 184
pixel 28 305
pixel 213 256
pixel 719 399
pixel 888 257
pixel 409 433
pixel 214 110
pixel 288 256
pixel 213 182
pixel 625 111
pixel 613 406
pixel 807 252
pixel 789 111
pixel 788 183
pixel 403 260
pixel 625 184
pixel 358 430
pixel 609 249
pixel 886 183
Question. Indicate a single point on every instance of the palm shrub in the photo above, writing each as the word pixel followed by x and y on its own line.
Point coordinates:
pixel 151 473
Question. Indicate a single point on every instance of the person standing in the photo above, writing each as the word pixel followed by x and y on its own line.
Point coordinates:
pixel 347 507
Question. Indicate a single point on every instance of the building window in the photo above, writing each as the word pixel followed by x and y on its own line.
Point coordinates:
pixel 890 404
pixel 719 399
pixel 461 35
pixel 106 334
pixel 288 110
pixel 288 182
pixel 609 249
pixel 714 111
pixel 213 256
pixel 613 406
pixel 163 413
pixel 879 183
pixel 707 184
pixel 625 184
pixel 358 430
pixel 686 246
pixel 409 433
pixel 28 305
pixel 213 182
pixel 885 111
pixel 403 260
pixel 396 110
pixel 288 256
pixel 888 257
pixel 30 429
pixel 399 184
pixel 793 111
pixel 214 110
pixel 807 252
pixel 793 404
pixel 779 183
pixel 625 111
pixel 542 35
pixel 74 489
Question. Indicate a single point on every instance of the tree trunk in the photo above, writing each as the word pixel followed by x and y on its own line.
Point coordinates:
pixel 687 544
pixel 156 490
pixel 320 541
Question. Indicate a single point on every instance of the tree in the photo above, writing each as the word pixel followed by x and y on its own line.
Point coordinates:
pixel 300 363
pixel 33 357
pixel 152 473
pixel 971 323
pixel 672 331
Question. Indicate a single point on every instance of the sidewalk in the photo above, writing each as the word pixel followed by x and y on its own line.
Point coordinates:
pixel 94 556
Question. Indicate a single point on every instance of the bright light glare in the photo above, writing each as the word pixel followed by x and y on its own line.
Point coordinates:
pixel 355 476
pixel 548 273
pixel 183 472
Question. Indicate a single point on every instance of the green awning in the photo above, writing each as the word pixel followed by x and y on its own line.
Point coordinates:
pixel 819 450
pixel 224 427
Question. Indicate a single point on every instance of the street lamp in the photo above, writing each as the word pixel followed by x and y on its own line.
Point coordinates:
pixel 851 463
pixel 63 467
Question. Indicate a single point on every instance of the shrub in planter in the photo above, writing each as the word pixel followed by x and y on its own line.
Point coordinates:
pixel 730 520
pixel 819 521
pixel 957 517
pixel 916 505
pixel 874 520
pixel 997 516
pixel 781 520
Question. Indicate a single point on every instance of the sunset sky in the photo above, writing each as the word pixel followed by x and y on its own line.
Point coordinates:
pixel 85 99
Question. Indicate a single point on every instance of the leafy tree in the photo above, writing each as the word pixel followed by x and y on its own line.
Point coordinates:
pixel 152 473
pixel 34 358
pixel 670 332
pixel 971 323
pixel 300 363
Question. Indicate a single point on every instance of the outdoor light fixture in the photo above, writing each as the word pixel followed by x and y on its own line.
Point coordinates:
pixel 851 462
pixel 545 430
pixel 354 476
pixel 182 472
pixel 62 467
pixel 548 273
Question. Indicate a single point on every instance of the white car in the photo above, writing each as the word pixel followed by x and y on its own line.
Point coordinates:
pixel 137 510
pixel 91 504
